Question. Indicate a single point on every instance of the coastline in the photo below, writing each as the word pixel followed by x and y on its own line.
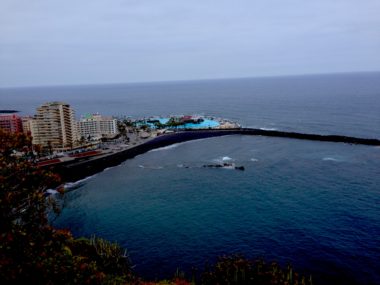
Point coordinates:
pixel 72 171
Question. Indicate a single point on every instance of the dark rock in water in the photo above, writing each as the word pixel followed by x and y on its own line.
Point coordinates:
pixel 224 165
pixel 8 111
pixel 239 167
pixel 213 165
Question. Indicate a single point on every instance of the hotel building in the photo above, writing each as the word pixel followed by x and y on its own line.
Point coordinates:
pixel 97 126
pixel 28 125
pixel 54 126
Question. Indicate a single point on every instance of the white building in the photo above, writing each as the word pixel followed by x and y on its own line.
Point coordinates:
pixel 27 123
pixel 29 126
pixel 97 126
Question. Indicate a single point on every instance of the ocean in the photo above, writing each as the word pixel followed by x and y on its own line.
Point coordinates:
pixel 315 205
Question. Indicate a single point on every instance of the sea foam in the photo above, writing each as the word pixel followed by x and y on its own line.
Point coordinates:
pixel 165 147
pixel 77 184
pixel 330 159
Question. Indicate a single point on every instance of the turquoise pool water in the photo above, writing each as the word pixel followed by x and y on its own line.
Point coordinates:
pixel 207 123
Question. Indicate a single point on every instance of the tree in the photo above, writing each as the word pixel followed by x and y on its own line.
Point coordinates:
pixel 31 250
pixel 122 128
pixel 159 125
pixel 21 184
pixel 82 140
pixel 174 123
pixel 129 123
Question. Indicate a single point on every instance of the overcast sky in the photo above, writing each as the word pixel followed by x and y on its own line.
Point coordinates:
pixel 50 42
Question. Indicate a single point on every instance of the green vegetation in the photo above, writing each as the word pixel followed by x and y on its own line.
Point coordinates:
pixel 173 123
pixel 122 128
pixel 159 125
pixel 129 123
pixel 239 270
pixel 33 252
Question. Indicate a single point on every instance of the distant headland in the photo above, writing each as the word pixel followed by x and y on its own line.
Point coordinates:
pixel 8 111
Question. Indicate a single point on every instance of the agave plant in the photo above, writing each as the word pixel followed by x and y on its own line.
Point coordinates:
pixel 237 269
pixel 111 255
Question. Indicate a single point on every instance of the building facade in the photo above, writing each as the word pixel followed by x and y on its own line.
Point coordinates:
pixel 54 126
pixel 28 125
pixel 97 126
pixel 11 123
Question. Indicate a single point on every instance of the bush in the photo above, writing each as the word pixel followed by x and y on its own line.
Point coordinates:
pixel 238 270
pixel 31 250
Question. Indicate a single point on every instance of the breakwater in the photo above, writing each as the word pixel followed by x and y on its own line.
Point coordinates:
pixel 74 171
pixel 313 137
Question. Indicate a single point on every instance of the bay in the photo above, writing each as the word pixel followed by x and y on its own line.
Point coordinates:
pixel 313 204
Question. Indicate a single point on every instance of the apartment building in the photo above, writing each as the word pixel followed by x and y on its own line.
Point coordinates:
pixel 11 123
pixel 28 125
pixel 54 126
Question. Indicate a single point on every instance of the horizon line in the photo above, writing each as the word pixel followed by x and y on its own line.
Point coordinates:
pixel 186 80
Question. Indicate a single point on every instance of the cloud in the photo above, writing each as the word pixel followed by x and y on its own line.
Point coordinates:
pixel 72 42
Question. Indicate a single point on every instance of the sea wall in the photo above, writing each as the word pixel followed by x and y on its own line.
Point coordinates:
pixel 75 171
pixel 313 137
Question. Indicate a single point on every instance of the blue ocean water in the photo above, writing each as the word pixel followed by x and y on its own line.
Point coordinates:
pixel 314 204
pixel 345 104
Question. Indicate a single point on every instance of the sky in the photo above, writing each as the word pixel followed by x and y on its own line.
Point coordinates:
pixel 50 42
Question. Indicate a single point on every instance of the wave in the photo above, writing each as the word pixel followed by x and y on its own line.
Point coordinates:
pixel 51 192
pixel 254 159
pixel 76 184
pixel 222 159
pixel 165 147
pixel 268 129
pixel 330 159
pixel 150 167
pixel 178 144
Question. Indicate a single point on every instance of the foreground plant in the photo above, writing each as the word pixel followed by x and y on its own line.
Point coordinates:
pixel 31 250
pixel 238 270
